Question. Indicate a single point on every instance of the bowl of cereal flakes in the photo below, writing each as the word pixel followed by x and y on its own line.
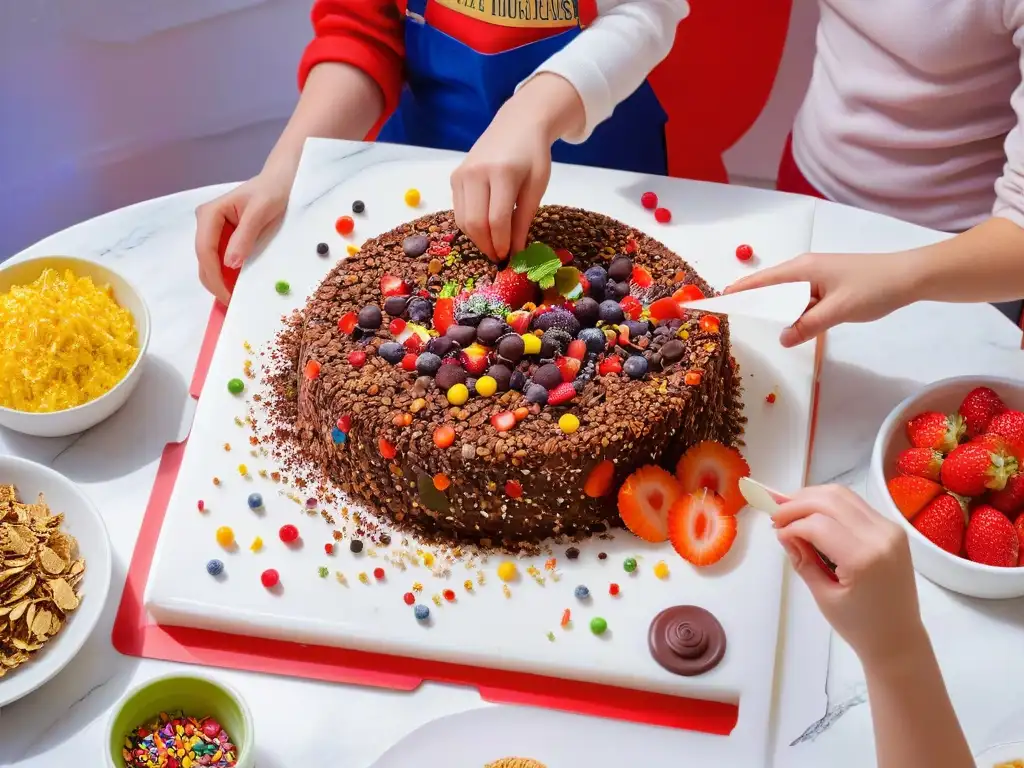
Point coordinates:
pixel 54 574
pixel 73 335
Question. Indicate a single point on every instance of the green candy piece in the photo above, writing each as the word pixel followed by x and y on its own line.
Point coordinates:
pixel 629 565
pixel 282 287
pixel 235 386
pixel 598 625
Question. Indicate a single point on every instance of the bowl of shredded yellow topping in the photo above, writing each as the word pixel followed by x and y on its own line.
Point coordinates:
pixel 73 335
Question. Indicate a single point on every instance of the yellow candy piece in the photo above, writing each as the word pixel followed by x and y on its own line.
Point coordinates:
pixel 532 344
pixel 486 386
pixel 568 423
pixel 412 197
pixel 352 249
pixel 257 544
pixel 243 470
pixel 225 536
pixel 507 571
pixel 661 570
pixel 428 559
pixel 458 394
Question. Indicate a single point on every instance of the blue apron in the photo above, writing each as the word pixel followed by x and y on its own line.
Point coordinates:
pixel 452 92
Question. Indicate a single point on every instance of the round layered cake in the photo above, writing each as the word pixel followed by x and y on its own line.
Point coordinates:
pixel 502 405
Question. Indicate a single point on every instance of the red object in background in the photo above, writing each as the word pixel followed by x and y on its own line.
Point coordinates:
pixel 790 177
pixel 230 275
pixel 717 79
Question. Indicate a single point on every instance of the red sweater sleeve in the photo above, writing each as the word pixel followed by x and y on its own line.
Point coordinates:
pixel 366 34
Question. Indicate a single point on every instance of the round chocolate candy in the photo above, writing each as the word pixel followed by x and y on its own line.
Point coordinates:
pixel 586 311
pixel 463 335
pixel 502 376
pixel 548 376
pixel 392 351
pixel 448 376
pixel 428 364
pixel 511 347
pixel 616 291
pixel 686 640
pixel 415 245
pixel 441 345
pixel 535 393
pixel 370 318
pixel 395 305
pixel 672 351
pixel 490 330
pixel 621 269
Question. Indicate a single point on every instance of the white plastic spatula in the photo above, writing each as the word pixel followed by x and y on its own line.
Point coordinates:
pixel 781 304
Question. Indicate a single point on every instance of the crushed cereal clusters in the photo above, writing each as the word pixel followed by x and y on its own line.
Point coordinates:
pixel 40 571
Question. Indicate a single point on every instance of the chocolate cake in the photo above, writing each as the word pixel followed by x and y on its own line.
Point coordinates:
pixel 470 402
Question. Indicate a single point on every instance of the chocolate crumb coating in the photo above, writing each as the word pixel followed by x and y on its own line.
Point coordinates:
pixel 630 422
pixel 686 640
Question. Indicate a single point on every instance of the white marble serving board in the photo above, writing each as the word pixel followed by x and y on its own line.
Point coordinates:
pixel 485 628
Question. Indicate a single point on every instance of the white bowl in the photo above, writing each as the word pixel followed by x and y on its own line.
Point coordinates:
pixel 955 573
pixel 999 754
pixel 82 417
pixel 83 521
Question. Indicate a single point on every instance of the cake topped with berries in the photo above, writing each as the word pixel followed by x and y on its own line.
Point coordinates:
pixel 502 405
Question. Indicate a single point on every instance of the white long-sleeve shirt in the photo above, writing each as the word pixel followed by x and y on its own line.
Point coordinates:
pixel 914 109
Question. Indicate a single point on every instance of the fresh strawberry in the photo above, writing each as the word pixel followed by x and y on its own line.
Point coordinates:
pixel 942 522
pixel 347 322
pixel 511 288
pixel 569 366
pixel 688 293
pixel 716 467
pixel 577 349
pixel 564 256
pixel 935 430
pixel 644 501
pixel 1010 426
pixel 444 315
pixel 667 308
pixel 991 538
pixel 394 286
pixel 563 393
pixel 978 409
pixel 611 364
pixel 1019 526
pixel 474 359
pixel 1010 500
pixel 911 494
pixel 519 321
pixel 971 469
pixel 632 307
pixel 699 528
pixel 920 462
pixel 994 443
pixel 641 277
pixel 584 285
pixel 503 421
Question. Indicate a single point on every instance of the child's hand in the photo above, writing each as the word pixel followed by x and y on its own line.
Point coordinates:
pixel 845 288
pixel 252 207
pixel 873 605
pixel 498 188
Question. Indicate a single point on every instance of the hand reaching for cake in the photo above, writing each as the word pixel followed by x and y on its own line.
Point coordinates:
pixel 497 189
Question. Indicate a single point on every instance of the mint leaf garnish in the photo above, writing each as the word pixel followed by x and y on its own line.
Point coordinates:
pixel 449 291
pixel 539 263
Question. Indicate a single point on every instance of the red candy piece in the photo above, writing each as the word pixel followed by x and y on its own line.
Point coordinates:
pixel 631 306
pixel 610 365
pixel 200 505
pixel 744 252
pixel 378 574
pixel 710 324
pixel 211 728
pixel 449 595
pixel 387 450
pixel 312 369
pixel 288 533
pixel 770 398
pixel 513 489
pixel 270 578
pixel 563 393
pixel 344 225
pixel 329 548
pixel 663 215
pixel 345 423
pixel 503 421
pixel 688 293
pixel 396 326
pixel 409 362
pixel 613 589
pixel 409 598
pixel 347 322
pixel 577 349
pixel 631 246
pixel 649 200
pixel 641 277
pixel 357 358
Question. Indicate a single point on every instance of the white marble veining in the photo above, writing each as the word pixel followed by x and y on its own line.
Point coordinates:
pixel 867 370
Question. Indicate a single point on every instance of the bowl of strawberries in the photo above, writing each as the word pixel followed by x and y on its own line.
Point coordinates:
pixel 948 463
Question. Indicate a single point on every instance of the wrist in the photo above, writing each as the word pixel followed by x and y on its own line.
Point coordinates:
pixel 904 655
pixel 551 103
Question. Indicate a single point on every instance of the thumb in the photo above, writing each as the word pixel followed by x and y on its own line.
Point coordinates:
pixel 251 223
pixel 812 323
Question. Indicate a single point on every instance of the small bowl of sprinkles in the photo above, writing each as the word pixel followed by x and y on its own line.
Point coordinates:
pixel 181 721
pixel 73 335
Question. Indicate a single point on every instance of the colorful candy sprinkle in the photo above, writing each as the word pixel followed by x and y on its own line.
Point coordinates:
pixel 288 533
pixel 386 448
pixel 270 578
pixel 649 200
pixel 514 489
pixel 441 481
pixel 378 574
pixel 507 571
pixel 338 436
pixel 409 598
pixel 744 252
pixel 613 589
pixel 257 544
pixel 568 423
pixel 255 501
pixel 661 570
pixel 323 249
pixel 421 612
pixel 329 548
pixel 412 197
pixel 282 287
pixel 351 249
pixel 444 437
pixel 344 225
pixel 662 215
pixel 201 505
pixel 449 595
pixel 598 625
pixel 177 740
pixel 243 470
pixel 458 394
pixel 629 564
pixel 322 571
pixel 358 206
pixel 236 386
pixel 566 617
pixel 581 592
pixel 214 567
pixel 225 536
pixel 357 358
pixel 770 398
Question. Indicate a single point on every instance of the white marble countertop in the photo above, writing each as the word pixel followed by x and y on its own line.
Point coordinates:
pixel 867 370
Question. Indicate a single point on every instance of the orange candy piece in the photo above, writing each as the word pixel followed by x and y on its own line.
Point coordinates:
pixel 710 324
pixel 692 379
pixel 441 481
pixel 599 481
pixel 312 369
pixel 387 450
pixel 444 437
pixel 344 225
pixel 521 413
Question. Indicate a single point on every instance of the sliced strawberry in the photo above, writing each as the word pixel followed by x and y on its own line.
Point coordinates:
pixel 641 277
pixel 394 286
pixel 577 349
pixel 600 479
pixel 611 364
pixel 474 359
pixel 347 322
pixel 920 462
pixel 519 321
pixel 943 522
pixel 632 307
pixel 569 366
pixel 413 342
pixel 563 393
pixel 444 315
pixel 644 501
pixel 716 467
pixel 699 528
pixel 978 409
pixel 911 494
pixel 688 293
pixel 1010 500
pixel 503 421
pixel 935 430
pixel 665 309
